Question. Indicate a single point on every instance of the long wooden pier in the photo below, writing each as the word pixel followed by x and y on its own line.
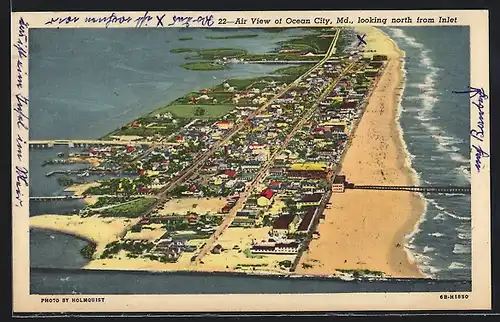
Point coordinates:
pixel 423 189
pixel 54 198
pixel 86 143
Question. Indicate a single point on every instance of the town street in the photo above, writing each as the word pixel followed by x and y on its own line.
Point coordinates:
pixel 262 172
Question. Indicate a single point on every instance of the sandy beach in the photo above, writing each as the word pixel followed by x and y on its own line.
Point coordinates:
pixel 100 231
pixel 197 205
pixel 79 189
pixel 95 162
pixel 368 229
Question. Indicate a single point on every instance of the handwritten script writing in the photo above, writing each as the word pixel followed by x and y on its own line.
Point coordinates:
pixel 21 107
pixel 19 144
pixel 207 21
pixel 22 102
pixel 479 131
pixel 21 178
pixel 22 50
pixel 144 20
pixel 113 18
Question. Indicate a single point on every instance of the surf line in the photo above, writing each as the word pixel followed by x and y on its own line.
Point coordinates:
pixel 478 132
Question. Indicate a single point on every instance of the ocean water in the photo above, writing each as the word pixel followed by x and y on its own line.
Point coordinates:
pixel 435 125
pixel 85 83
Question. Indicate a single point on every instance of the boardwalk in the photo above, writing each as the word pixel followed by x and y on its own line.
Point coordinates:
pixel 424 189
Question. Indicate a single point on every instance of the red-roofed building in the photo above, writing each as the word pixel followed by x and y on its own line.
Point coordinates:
pixel 143 190
pixel 274 185
pixel 192 218
pixel 257 145
pixel 141 172
pixel 265 198
pixel 230 173
pixel 268 193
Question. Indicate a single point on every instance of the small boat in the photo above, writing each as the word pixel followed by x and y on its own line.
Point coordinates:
pixel 84 174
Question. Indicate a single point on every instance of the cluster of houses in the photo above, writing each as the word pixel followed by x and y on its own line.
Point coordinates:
pixel 301 174
pixel 297 170
pixel 170 235
pixel 304 172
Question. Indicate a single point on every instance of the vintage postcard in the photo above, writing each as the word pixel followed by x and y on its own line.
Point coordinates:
pixel 250 161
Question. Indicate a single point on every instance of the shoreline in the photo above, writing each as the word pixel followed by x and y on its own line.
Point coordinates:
pixel 412 174
pixel 95 230
pixel 371 230
pixel 266 275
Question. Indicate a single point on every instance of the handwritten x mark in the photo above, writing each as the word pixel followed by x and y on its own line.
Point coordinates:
pixel 160 20
pixel 361 39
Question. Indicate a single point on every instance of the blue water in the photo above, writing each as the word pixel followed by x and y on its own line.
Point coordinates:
pixel 88 82
pixel 435 123
pixel 113 76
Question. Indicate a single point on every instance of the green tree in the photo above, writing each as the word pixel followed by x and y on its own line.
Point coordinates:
pixel 199 111
pixel 266 220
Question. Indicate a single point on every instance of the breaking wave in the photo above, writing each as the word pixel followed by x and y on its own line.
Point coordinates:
pixel 461 249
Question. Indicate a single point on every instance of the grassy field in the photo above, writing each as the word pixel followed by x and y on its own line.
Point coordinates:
pixel 202 66
pixel 310 43
pixel 233 36
pixel 216 53
pixel 188 110
pixel 132 209
pixel 182 50
pixel 222 98
pixel 144 131
pixel 242 84
pixel 293 70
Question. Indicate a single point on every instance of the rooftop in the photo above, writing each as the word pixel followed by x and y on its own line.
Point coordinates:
pixel 283 222
pixel 306 221
pixel 315 197
pixel 308 166
pixel 339 179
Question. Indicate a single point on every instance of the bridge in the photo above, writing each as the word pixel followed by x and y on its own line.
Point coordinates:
pixel 53 198
pixel 423 189
pixel 86 143
pixel 278 62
